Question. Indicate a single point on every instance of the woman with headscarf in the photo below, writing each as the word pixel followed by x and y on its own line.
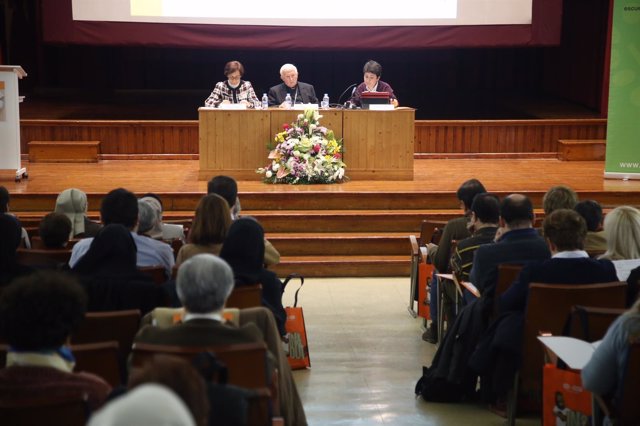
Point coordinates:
pixel 243 249
pixel 72 203
pixel 110 276
pixel 11 233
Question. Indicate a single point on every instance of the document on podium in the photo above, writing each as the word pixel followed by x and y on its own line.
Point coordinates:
pixel 574 352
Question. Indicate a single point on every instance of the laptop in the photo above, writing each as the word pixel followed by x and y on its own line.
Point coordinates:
pixel 374 98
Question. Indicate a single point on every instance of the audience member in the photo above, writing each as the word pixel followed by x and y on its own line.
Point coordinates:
pixel 372 72
pixel 72 203
pixel 148 404
pixel 209 229
pixel 484 221
pixel 590 210
pixel 455 230
pixel 233 91
pixel 227 188
pixel 55 229
pixel 243 250
pixel 204 283
pixel 300 92
pixel 120 206
pixel 564 231
pixel 161 230
pixel 9 243
pixel 604 374
pixel 4 210
pixel 519 243
pixel 147 218
pixel 38 313
pixel 182 378
pixel 110 276
pixel 622 232
pixel 559 197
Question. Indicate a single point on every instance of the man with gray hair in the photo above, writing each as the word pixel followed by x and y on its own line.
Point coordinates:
pixel 204 283
pixel 300 92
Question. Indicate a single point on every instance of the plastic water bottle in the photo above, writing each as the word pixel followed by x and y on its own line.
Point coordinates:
pixel 287 101
pixel 325 102
pixel 265 101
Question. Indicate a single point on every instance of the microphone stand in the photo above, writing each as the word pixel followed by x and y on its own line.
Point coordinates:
pixel 352 86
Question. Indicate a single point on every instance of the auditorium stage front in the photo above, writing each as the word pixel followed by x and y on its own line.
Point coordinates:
pixel 357 228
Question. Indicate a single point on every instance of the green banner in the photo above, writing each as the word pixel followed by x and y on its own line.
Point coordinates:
pixel 623 124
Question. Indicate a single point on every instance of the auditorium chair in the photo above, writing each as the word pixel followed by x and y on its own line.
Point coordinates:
pixel 246 367
pixel 246 296
pixel 74 409
pixel 589 323
pixel 547 310
pixel 100 359
pixel 628 409
pixel 118 326
pixel 36 243
pixel 507 274
pixel 157 273
pixel 44 258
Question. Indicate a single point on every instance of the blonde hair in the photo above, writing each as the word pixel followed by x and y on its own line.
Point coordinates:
pixel 622 231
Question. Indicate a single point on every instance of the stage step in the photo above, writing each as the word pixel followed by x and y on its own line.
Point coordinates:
pixel 344 266
pixel 341 244
pixel 64 151
pixel 582 149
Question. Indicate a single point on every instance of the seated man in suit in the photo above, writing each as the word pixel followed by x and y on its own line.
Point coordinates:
pixel 204 283
pixel 518 243
pixel 120 206
pixel 300 92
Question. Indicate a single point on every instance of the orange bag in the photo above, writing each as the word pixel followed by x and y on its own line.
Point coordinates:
pixel 425 274
pixel 298 346
pixel 563 396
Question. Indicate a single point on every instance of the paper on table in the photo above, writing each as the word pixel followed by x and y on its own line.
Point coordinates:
pixel 470 287
pixel 574 352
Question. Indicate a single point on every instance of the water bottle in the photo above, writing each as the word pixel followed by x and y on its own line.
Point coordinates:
pixel 325 102
pixel 287 101
pixel 265 101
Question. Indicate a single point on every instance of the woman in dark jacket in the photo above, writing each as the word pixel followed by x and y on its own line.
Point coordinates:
pixel 11 233
pixel 243 249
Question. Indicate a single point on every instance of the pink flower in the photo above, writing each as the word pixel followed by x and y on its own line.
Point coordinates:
pixel 316 148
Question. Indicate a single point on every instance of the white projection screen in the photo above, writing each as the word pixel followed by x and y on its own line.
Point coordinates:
pixel 327 13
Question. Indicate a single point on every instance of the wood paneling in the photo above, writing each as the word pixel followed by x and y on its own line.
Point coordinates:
pixel 499 136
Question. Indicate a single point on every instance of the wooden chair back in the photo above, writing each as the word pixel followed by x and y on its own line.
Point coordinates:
pixel 100 359
pixel 119 326
pixel 176 244
pixel 431 231
pixel 246 296
pixel 595 253
pixel 47 258
pixel 628 408
pixel 589 323
pixel 157 273
pixel 245 362
pixel 547 310
pixel 36 243
pixel 507 274
pixel 74 409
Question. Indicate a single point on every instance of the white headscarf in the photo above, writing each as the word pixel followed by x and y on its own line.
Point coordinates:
pixel 147 405
pixel 72 203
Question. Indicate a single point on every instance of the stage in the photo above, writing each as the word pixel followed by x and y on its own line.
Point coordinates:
pixel 356 228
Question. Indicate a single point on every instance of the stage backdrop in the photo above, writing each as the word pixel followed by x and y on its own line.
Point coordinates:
pixel 623 128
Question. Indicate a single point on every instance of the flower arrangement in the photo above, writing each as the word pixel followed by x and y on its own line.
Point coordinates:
pixel 305 153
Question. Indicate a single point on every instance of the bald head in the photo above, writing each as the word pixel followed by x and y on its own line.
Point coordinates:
pixel 516 211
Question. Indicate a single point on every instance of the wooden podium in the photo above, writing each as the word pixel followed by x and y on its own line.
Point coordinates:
pixel 10 120
pixel 378 145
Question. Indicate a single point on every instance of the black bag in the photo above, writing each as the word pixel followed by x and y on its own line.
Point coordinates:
pixel 437 389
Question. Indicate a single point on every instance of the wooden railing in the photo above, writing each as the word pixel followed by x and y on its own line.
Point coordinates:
pixel 180 137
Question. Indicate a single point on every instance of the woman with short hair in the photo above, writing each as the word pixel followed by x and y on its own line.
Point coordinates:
pixel 209 228
pixel 372 72
pixel 234 90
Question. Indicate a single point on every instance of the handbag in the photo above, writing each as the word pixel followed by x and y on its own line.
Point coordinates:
pixel 298 356
pixel 564 397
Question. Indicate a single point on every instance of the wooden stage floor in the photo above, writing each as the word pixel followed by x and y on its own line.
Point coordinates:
pixel 430 176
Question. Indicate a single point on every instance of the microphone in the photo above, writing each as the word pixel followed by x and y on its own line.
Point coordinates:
pixel 351 86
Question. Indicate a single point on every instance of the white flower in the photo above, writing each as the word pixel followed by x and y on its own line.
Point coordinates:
pixel 276 166
pixel 296 153
pixel 268 174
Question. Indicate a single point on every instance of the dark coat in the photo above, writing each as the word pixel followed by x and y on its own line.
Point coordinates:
pixel 305 94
